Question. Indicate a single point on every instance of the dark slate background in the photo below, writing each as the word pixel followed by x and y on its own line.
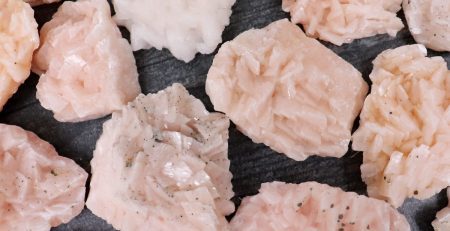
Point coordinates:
pixel 252 164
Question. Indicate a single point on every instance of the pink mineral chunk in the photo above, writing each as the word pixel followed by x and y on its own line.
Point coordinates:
pixel 314 206
pixel 87 70
pixel 287 90
pixel 38 188
pixel 162 164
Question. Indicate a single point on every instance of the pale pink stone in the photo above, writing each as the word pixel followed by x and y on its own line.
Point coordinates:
pixel 342 21
pixel 162 164
pixel 38 188
pixel 18 39
pixel 287 90
pixel 405 126
pixel 314 206
pixel 87 69
pixel 429 22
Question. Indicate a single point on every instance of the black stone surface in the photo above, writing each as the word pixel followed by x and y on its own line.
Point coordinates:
pixel 252 164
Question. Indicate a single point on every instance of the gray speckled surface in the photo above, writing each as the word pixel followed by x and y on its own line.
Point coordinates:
pixel 252 163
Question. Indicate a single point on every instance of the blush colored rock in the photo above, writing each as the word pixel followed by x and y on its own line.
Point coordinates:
pixel 405 126
pixel 342 21
pixel 314 206
pixel 87 69
pixel 287 91
pixel 162 164
pixel 429 22
pixel 18 39
pixel 184 27
pixel 38 188
pixel 442 222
